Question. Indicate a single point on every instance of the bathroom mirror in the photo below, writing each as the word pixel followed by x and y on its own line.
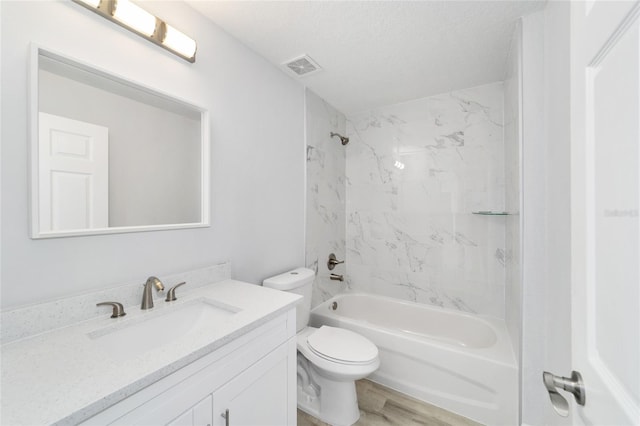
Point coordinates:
pixel 110 155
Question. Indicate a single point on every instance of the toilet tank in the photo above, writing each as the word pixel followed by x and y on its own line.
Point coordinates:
pixel 298 281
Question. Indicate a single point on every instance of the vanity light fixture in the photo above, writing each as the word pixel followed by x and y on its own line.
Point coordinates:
pixel 134 18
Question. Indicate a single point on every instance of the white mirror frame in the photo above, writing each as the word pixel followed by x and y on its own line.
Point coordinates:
pixel 34 196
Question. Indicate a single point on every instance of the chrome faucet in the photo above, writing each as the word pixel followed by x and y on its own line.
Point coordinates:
pixel 147 296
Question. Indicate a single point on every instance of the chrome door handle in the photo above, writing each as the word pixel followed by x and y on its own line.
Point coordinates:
pixel 573 385
pixel 226 417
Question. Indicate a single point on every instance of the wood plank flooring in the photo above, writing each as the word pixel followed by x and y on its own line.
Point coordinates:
pixel 381 406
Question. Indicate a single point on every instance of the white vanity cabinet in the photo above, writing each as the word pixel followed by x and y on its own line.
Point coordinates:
pixel 249 381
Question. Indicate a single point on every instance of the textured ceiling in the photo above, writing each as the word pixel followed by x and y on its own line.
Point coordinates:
pixel 376 53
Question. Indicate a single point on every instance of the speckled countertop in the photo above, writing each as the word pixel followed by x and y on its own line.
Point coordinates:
pixel 64 376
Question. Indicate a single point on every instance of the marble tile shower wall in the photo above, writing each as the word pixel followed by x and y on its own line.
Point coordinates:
pixel 325 227
pixel 415 172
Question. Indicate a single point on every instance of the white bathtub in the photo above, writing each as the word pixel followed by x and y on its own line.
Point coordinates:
pixel 463 363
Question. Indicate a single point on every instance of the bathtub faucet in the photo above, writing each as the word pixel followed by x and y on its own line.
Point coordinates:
pixel 336 277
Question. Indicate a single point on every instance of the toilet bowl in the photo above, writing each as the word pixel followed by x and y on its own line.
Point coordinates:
pixel 333 359
pixel 330 359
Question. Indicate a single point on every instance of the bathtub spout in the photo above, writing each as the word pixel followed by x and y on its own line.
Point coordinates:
pixel 336 277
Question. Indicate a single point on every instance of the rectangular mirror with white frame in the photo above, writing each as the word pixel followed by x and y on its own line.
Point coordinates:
pixel 109 155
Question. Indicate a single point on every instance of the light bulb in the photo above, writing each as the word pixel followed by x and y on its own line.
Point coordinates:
pixel 135 17
pixel 179 42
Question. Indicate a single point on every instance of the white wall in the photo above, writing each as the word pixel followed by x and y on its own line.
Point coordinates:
pixel 534 266
pixel 257 155
pixel 512 151
pixel 546 327
pixel 411 233
pixel 557 310
pixel 325 227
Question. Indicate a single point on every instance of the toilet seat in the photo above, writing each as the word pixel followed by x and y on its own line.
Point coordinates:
pixel 335 368
pixel 341 346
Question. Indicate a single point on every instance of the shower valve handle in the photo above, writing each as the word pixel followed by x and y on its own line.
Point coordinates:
pixel 333 261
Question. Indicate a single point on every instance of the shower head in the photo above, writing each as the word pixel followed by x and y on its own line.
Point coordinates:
pixel 343 139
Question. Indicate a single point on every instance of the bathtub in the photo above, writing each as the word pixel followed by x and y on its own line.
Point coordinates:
pixel 460 362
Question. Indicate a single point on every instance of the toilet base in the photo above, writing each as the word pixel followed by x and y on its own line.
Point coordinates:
pixel 333 402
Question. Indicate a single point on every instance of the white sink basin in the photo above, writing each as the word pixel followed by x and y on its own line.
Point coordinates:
pixel 154 329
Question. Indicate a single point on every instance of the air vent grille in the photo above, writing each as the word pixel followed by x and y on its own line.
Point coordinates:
pixel 303 65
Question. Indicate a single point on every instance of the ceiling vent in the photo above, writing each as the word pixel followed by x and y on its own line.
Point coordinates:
pixel 303 66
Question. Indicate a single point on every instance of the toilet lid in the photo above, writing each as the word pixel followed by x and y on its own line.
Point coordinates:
pixel 342 345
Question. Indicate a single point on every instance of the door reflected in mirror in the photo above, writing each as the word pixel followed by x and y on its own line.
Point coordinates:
pixel 110 155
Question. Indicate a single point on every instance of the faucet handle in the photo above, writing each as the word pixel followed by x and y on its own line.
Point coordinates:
pixel 171 294
pixel 118 309
pixel 333 261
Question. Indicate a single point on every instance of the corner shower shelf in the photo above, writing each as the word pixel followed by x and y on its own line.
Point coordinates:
pixel 492 213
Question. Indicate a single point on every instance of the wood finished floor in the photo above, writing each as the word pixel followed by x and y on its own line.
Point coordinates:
pixel 381 406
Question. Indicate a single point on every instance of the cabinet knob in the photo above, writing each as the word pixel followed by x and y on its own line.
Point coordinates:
pixel 225 416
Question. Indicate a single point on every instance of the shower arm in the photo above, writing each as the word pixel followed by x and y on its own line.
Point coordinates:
pixel 343 139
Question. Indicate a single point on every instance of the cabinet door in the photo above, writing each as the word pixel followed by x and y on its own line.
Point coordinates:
pixel 184 419
pixel 202 412
pixel 258 396
pixel 198 415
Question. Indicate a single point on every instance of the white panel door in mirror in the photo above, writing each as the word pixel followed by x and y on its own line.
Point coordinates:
pixel 73 174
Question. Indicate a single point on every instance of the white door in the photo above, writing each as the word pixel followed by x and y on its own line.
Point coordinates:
pixel 605 189
pixel 73 174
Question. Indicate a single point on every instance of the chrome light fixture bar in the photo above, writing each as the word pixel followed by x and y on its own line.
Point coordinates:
pixel 134 18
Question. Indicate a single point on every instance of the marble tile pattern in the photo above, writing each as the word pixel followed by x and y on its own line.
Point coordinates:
pixel 381 406
pixel 325 221
pixel 29 320
pixel 415 172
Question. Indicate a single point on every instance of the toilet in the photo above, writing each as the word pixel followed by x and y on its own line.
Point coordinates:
pixel 330 359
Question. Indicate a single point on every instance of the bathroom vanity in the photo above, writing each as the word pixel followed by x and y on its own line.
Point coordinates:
pixel 222 354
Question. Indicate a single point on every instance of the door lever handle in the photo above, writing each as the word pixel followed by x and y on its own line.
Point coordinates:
pixel 573 385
